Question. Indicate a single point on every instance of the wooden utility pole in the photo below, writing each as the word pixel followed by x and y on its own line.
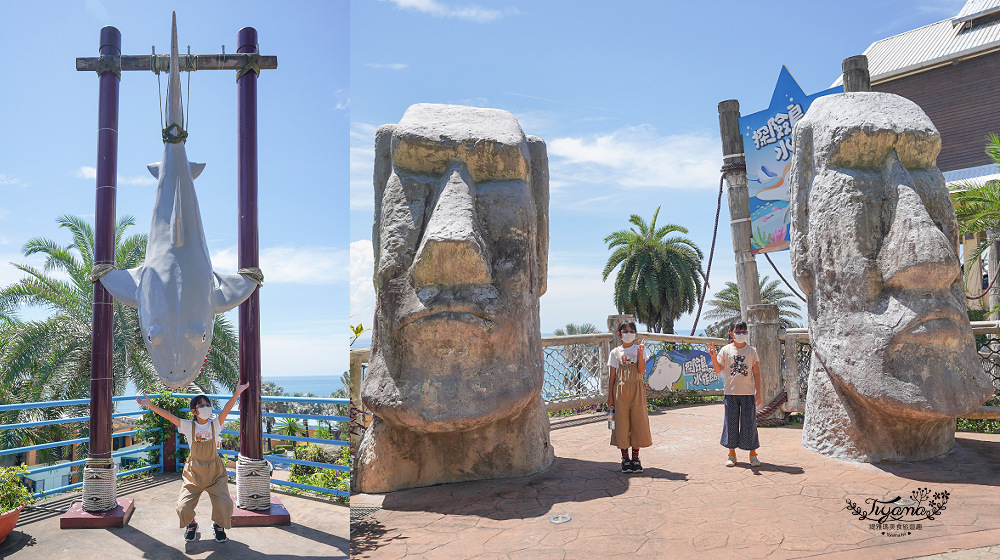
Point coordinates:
pixel 734 168
pixel 762 319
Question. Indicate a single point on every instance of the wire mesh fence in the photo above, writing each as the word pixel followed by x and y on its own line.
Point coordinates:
pixel 987 345
pixel 573 372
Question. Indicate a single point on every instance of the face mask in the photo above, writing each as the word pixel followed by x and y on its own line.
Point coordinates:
pixel 204 412
pixel 628 337
pixel 741 337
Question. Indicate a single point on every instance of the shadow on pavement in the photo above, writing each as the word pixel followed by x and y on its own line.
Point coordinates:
pixel 16 540
pixel 973 461
pixel 567 480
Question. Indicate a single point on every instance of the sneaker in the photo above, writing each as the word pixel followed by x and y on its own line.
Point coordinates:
pixel 191 532
pixel 754 461
pixel 636 465
pixel 626 465
pixel 731 461
pixel 220 533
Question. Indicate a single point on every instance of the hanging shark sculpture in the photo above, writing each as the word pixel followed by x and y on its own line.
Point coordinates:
pixel 175 289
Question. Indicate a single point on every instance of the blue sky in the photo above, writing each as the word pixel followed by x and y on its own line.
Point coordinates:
pixel 624 94
pixel 50 144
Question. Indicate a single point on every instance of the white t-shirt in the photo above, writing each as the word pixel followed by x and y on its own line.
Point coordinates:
pixel 737 369
pixel 202 432
pixel 623 355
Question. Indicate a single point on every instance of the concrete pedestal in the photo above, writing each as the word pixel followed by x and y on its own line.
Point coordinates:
pixel 276 515
pixel 77 518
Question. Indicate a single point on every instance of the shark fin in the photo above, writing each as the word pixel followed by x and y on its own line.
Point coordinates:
pixel 196 169
pixel 123 285
pixel 176 221
pixel 233 290
pixel 154 169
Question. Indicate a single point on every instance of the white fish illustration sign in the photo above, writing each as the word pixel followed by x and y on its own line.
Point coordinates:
pixel 175 289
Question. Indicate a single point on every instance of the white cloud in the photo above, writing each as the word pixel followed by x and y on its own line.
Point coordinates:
pixel 292 265
pixel 636 158
pixel 13 181
pixel 90 173
pixel 342 99
pixel 388 65
pixel 470 12
pixel 362 164
pixel 362 289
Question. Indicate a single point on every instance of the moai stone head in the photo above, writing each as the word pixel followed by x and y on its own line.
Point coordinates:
pixel 461 246
pixel 873 245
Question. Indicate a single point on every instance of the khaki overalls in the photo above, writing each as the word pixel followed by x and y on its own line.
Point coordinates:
pixel 631 417
pixel 204 471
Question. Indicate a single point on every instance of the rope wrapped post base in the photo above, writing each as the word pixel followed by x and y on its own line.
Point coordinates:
pixel 100 485
pixel 253 483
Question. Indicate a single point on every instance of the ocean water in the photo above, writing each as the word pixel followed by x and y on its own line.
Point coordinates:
pixel 320 385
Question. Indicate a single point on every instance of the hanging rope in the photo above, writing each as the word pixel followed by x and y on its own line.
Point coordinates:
pixel 100 270
pixel 191 68
pixel 726 168
pixel 159 88
pixel 768 257
pixel 988 287
pixel 252 63
pixel 764 412
pixel 253 273
pixel 107 62
pixel 174 134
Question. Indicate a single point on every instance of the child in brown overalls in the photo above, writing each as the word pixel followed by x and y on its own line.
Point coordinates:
pixel 204 470
pixel 627 397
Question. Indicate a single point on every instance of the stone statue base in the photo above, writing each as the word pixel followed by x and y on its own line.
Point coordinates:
pixel 839 425
pixel 393 458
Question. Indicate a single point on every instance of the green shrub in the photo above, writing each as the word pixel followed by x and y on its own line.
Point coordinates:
pixel 307 452
pixel 148 423
pixel 13 492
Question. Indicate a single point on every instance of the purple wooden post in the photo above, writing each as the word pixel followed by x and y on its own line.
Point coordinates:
pixel 249 314
pixel 101 374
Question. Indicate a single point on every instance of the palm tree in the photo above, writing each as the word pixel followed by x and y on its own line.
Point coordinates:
pixel 49 359
pixel 270 388
pixel 726 306
pixel 660 277
pixel 289 427
pixel 576 356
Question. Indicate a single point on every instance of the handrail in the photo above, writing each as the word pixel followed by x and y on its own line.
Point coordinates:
pixel 78 419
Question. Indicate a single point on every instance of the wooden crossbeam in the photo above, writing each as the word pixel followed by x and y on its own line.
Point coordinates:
pixel 187 63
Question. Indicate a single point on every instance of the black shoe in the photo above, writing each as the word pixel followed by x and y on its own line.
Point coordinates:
pixel 626 465
pixel 191 532
pixel 636 465
pixel 220 533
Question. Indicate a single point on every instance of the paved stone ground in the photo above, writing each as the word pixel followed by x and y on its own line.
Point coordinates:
pixel 687 504
pixel 319 529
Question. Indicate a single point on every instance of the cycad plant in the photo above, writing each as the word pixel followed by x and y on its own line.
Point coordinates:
pixel 726 306
pixel 660 277
pixel 977 207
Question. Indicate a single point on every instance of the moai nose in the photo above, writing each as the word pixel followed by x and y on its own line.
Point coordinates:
pixel 452 250
pixel 915 254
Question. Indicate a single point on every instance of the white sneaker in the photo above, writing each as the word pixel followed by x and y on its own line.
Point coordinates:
pixel 754 461
pixel 731 461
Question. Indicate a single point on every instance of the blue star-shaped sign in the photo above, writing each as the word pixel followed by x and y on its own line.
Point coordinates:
pixel 767 145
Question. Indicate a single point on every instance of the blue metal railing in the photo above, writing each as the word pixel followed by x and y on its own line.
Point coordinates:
pixel 178 463
pixel 280 459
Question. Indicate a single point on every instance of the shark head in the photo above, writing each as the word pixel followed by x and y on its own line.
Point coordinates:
pixel 178 353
